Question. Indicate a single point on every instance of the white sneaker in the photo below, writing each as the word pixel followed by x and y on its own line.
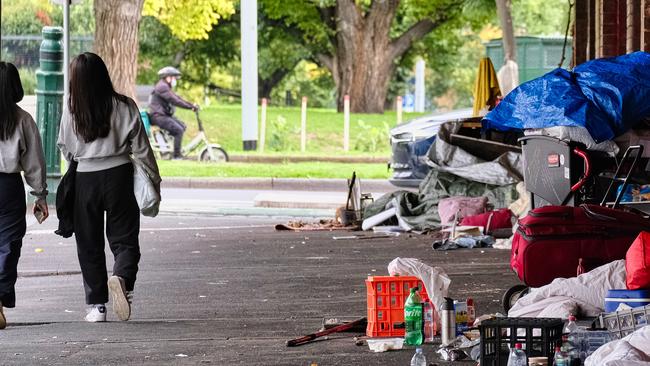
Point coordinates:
pixel 97 313
pixel 3 320
pixel 120 299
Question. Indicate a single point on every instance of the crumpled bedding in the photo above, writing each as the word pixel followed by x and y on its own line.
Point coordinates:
pixel 632 350
pixel 455 172
pixel 583 295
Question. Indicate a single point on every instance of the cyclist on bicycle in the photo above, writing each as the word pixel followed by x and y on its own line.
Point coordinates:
pixel 163 103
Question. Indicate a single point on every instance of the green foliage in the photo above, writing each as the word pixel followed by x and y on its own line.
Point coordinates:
pixel 189 19
pixel 82 17
pixel 372 138
pixel 280 134
pixel 308 80
pixel 264 170
pixel 28 79
pixel 26 16
pixel 273 38
pixel 540 17
pixel 305 16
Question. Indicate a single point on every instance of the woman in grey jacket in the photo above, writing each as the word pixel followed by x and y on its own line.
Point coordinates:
pixel 20 151
pixel 100 129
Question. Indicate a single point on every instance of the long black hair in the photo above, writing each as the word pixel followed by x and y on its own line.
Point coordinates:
pixel 11 92
pixel 91 97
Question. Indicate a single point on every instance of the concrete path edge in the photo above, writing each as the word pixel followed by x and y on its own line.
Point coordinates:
pixel 280 184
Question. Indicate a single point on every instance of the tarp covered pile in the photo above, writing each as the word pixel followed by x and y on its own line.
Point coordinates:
pixel 606 96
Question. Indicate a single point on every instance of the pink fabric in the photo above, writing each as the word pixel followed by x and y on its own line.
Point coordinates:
pixel 464 206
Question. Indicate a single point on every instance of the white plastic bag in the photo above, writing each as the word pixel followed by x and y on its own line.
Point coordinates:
pixel 435 280
pixel 145 192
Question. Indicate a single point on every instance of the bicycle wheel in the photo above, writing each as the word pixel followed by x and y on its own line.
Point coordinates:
pixel 219 155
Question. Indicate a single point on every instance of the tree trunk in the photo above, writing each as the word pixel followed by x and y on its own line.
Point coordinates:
pixel 267 85
pixel 116 40
pixel 505 18
pixel 365 55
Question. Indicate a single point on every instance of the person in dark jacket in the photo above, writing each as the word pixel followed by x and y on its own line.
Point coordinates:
pixel 20 151
pixel 162 106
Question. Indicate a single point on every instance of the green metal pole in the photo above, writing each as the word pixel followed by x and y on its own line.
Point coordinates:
pixel 49 100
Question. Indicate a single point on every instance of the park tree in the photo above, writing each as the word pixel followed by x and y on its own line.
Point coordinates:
pixel 504 11
pixel 361 42
pixel 117 23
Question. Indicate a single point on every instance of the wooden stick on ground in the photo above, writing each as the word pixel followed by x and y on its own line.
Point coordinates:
pixel 310 337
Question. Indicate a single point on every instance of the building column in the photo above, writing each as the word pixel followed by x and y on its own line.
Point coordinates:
pixel 580 32
pixel 613 25
pixel 633 25
pixel 645 35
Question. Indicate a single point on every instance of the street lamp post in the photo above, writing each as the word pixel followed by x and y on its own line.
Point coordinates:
pixel 66 46
pixel 249 73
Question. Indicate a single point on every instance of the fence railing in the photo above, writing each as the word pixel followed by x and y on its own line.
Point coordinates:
pixel 22 50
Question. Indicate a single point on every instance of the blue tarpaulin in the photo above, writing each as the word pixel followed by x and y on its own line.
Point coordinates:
pixel 606 96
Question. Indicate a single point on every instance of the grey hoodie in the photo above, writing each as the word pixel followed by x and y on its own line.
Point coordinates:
pixel 23 152
pixel 127 136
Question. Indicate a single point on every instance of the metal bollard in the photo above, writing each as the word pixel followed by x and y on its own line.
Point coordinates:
pixel 49 101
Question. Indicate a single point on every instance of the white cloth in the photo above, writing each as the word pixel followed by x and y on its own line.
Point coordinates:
pixel 584 294
pixel 435 280
pixel 508 77
pixel 630 351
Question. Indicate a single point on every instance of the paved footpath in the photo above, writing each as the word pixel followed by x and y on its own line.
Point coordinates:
pixel 223 291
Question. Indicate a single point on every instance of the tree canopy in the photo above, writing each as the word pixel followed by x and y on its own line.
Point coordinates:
pixel 189 19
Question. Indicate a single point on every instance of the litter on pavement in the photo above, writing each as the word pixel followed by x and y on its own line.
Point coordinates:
pixel 553 179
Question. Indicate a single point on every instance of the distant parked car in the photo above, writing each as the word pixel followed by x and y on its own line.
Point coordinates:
pixel 410 143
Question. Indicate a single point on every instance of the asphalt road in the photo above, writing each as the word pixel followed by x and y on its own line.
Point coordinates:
pixel 224 291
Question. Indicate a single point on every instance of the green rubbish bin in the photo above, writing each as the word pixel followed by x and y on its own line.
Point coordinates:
pixel 535 55
pixel 49 101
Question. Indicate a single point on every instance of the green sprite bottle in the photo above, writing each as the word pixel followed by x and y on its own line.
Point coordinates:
pixel 413 318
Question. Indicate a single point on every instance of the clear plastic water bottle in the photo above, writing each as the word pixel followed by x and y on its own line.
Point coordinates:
pixel 560 358
pixel 418 358
pixel 429 325
pixel 517 356
pixel 571 325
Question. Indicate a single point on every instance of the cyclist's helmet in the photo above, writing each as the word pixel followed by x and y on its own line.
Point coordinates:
pixel 168 71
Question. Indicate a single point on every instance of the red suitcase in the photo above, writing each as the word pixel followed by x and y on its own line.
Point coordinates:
pixel 554 241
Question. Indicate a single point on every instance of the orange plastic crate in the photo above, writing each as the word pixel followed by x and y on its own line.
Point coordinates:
pixel 386 296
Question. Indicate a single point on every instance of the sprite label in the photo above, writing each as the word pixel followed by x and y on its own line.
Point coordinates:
pixel 413 319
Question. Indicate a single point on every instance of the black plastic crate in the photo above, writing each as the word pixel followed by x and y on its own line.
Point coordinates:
pixel 538 337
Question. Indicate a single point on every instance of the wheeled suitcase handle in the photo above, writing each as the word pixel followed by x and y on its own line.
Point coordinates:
pixel 587 172
pixel 595 215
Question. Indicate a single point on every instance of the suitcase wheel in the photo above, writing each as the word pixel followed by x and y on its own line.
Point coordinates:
pixel 513 294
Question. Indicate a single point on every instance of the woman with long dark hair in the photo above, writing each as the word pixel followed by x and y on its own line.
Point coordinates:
pixel 20 151
pixel 100 129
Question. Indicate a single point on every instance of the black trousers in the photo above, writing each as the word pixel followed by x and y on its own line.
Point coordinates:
pixel 107 191
pixel 175 127
pixel 12 231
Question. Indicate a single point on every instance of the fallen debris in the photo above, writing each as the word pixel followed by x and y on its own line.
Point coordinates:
pixel 362 237
pixel 341 328
pixel 385 344
pixel 322 225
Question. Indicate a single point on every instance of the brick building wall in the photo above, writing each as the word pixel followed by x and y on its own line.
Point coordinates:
pixel 604 28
